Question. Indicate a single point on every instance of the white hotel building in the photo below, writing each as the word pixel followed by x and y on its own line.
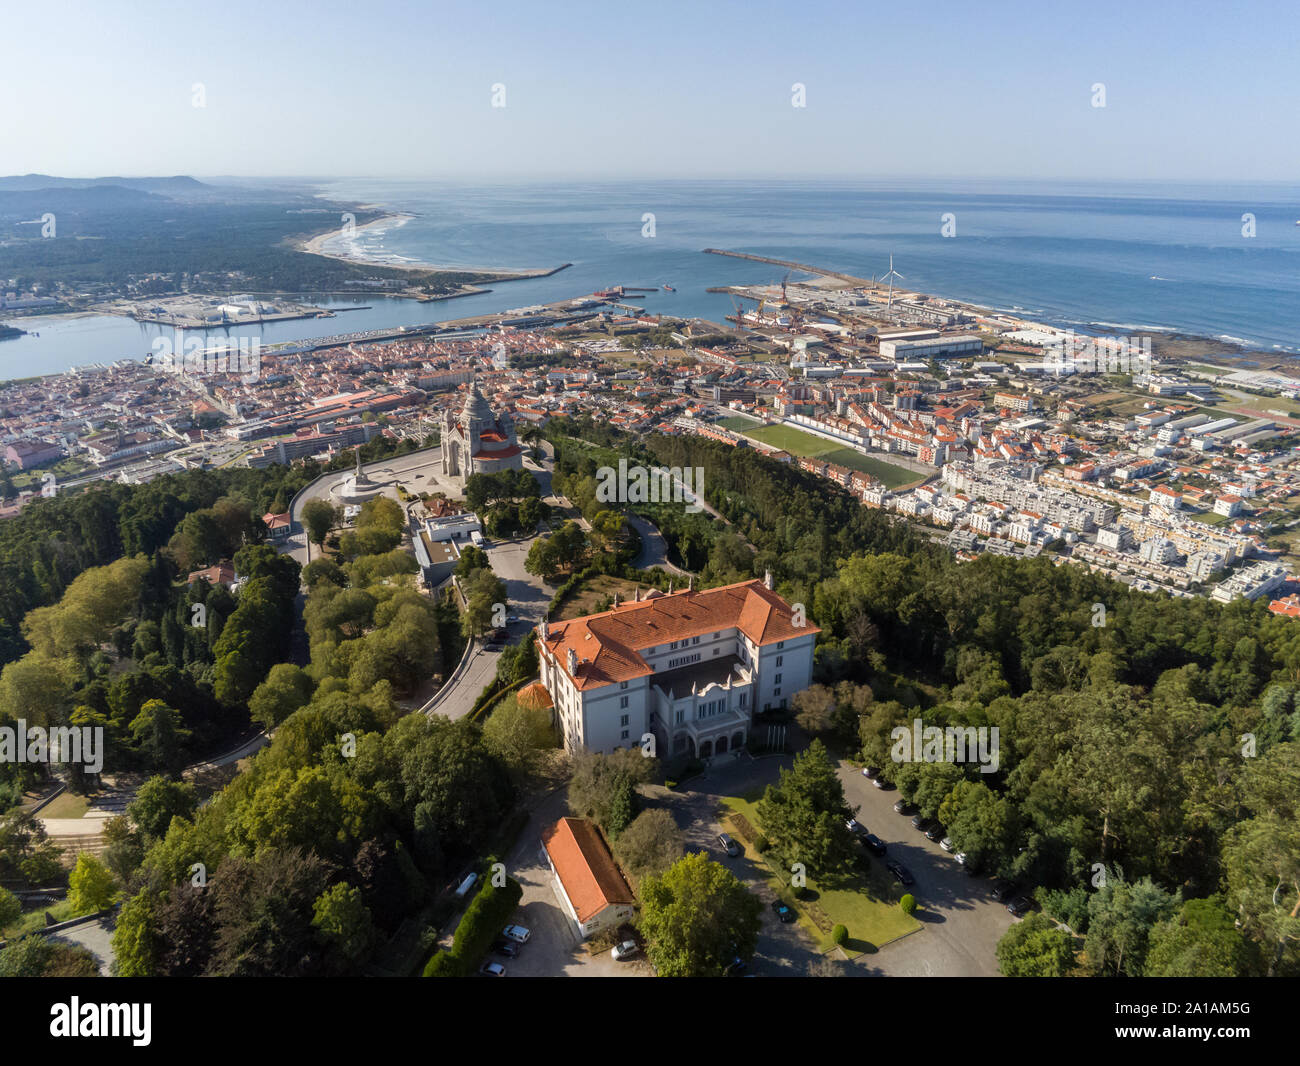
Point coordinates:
pixel 691 668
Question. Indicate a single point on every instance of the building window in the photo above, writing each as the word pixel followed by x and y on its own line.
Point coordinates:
pixel 625 734
pixel 776 681
pixel 622 700
pixel 779 660
pixel 777 692
pixel 623 720
pixel 672 646
pixel 744 699
pixel 623 684
pixel 681 717
pixel 780 644
pixel 695 640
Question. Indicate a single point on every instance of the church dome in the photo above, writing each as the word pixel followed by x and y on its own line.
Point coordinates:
pixel 476 409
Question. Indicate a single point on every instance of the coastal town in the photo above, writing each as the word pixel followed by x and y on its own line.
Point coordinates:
pixel 993 433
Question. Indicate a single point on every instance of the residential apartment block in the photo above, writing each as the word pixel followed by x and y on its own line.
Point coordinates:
pixel 690 668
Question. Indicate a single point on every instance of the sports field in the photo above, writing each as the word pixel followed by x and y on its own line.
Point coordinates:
pixel 797 442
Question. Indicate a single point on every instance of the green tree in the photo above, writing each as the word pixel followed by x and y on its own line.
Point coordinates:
pixel 650 844
pixel 160 736
pixel 697 917
pixel 90 885
pixel 344 921
pixel 135 950
pixel 318 518
pixel 286 688
pixel 804 814
pixel 158 801
pixel 1035 947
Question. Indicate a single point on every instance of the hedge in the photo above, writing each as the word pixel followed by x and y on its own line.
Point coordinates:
pixel 480 925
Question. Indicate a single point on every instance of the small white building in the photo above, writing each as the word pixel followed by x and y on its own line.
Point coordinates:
pixel 588 884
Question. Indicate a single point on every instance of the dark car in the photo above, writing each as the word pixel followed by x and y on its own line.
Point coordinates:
pixel 507 948
pixel 935 832
pixel 1020 906
pixel 901 873
pixel 921 823
pixel 1004 890
pixel 783 911
pixel 874 844
pixel 903 807
pixel 871 771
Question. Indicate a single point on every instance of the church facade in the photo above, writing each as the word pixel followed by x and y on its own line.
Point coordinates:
pixel 476 440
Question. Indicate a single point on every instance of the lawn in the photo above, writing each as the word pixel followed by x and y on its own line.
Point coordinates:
pixel 866 906
pixel 34 919
pixel 66 805
pixel 797 442
pixel 738 422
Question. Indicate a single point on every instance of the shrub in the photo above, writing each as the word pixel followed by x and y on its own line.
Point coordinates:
pixel 761 843
pixel 481 923
pixel 840 935
pixel 908 903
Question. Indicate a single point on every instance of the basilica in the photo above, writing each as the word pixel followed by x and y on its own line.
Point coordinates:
pixel 477 441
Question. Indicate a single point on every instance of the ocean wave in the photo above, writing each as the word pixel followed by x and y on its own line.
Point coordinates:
pixel 1133 325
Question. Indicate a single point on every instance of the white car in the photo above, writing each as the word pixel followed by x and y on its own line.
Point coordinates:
pixel 624 950
pixel 946 844
pixel 517 933
pixel 492 969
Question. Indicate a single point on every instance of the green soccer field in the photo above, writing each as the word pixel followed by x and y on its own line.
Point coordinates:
pixel 797 442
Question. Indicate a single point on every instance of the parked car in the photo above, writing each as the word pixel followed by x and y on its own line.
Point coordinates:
pixel 903 807
pixel 855 827
pixel 935 832
pixel 1020 906
pixel 492 969
pixel 517 933
pixel 874 844
pixel 921 823
pixel 1004 890
pixel 625 950
pixel 901 873
pixel 871 771
pixel 508 948
pixel 881 783
pixel 728 845
pixel 947 844
pixel 783 911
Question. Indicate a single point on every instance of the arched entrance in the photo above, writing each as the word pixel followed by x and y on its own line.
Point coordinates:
pixel 721 745
pixel 706 749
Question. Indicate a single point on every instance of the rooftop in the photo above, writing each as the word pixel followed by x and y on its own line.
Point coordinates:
pixel 585 867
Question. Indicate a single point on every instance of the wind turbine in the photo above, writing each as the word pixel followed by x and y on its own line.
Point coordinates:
pixel 891 276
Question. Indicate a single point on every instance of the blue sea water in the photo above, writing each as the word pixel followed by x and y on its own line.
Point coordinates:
pixel 1140 255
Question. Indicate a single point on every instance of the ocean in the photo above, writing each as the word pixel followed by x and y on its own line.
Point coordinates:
pixel 1139 256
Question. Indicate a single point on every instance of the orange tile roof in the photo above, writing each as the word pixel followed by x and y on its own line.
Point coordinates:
pixel 585 867
pixel 607 645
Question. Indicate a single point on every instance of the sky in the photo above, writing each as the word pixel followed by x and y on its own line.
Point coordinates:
pixel 1197 92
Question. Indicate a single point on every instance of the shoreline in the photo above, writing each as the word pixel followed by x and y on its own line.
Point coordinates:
pixel 316 245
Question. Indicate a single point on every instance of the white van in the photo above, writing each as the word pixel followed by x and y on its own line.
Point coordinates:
pixel 463 890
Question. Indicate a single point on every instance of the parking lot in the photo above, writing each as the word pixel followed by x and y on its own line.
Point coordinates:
pixel 963 922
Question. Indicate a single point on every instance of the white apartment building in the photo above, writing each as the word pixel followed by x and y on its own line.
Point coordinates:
pixel 691 668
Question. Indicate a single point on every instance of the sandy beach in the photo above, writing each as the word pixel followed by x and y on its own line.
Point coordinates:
pixel 327 244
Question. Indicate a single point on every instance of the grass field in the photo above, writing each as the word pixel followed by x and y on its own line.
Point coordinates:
pixel 866 906
pixel 583 600
pixel 797 442
pixel 738 423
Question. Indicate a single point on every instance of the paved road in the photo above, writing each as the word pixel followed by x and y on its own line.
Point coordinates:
pixel 654 549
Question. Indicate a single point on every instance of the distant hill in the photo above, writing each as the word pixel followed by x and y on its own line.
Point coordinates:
pixel 175 186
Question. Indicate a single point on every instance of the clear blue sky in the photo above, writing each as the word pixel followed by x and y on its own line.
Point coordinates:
pixel 1194 91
